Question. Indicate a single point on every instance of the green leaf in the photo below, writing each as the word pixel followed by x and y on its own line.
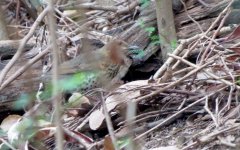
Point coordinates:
pixel 154 37
pixel 140 22
pixel 123 142
pixel 2 133
pixel 72 82
pixel 150 30
pixel 238 81
pixel 174 44
pixel 138 53
pixel 141 54
pixel 4 147
pixel 156 42
pixel 22 101
pixel 144 3
pixel 36 3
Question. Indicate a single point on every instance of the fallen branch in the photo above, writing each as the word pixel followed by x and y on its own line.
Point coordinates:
pixel 22 45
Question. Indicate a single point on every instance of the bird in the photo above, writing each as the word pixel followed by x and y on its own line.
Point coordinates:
pixel 96 69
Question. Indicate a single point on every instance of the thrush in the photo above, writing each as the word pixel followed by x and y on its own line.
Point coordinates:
pixel 99 68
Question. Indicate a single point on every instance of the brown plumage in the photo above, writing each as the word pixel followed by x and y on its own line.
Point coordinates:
pixel 98 67
pixel 113 53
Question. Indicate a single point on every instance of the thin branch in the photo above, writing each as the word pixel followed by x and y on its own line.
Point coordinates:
pixel 56 96
pixel 109 123
pixel 207 72
pixel 131 114
pixel 24 68
pixel 174 115
pixel 174 83
pixel 210 113
pixel 76 137
pixel 185 42
pixel 227 11
pixel 22 45
pixel 8 144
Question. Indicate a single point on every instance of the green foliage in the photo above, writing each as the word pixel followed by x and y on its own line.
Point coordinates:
pixel 4 147
pixel 152 33
pixel 22 131
pixel 47 93
pixel 2 133
pixel 238 81
pixel 25 126
pixel 78 80
pixel 138 53
pixel 123 142
pixel 174 44
pixel 144 3
pixel 157 42
pixel 154 37
pixel 22 102
pixel 141 23
pixel 36 3
pixel 150 30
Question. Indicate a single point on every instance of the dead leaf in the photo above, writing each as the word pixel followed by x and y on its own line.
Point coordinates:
pixel 44 133
pixel 96 119
pixel 235 49
pixel 76 100
pixel 234 35
pixel 123 94
pixel 9 121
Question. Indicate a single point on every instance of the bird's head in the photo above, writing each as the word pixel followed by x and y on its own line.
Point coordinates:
pixel 117 51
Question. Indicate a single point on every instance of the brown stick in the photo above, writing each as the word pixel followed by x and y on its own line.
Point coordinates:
pixel 24 68
pixel 22 45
